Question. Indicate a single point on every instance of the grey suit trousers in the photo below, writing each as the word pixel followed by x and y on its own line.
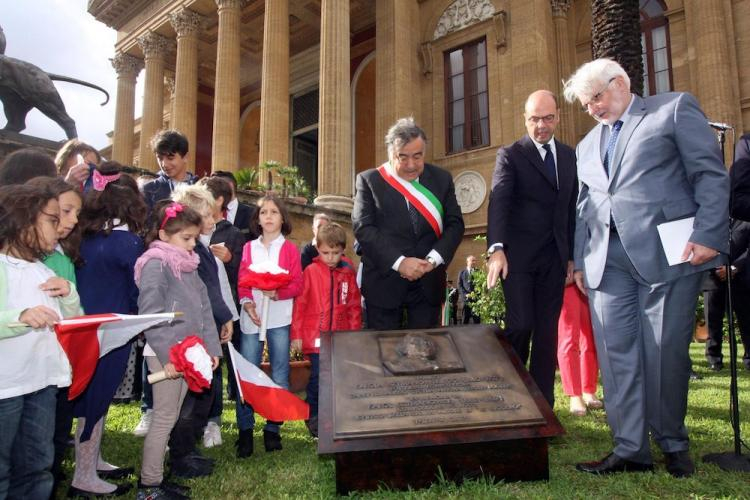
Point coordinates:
pixel 642 333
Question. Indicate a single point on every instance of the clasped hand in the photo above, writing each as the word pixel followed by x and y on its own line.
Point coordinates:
pixel 412 268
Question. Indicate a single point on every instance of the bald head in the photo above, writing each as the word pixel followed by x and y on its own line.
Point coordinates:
pixel 541 115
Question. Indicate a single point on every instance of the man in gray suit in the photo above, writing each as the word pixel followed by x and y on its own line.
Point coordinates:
pixel 648 161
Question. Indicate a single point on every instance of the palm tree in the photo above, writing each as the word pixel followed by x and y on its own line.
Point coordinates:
pixel 616 33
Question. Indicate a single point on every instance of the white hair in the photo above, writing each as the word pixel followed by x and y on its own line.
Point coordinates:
pixel 196 196
pixel 591 77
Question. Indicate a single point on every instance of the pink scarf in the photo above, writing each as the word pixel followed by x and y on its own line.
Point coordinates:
pixel 179 260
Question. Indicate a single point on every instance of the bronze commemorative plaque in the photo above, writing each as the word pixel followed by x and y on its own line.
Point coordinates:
pixel 402 382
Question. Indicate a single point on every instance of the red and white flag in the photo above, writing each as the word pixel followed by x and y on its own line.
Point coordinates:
pixel 85 339
pixel 269 400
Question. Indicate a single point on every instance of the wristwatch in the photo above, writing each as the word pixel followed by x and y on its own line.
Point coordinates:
pixel 431 261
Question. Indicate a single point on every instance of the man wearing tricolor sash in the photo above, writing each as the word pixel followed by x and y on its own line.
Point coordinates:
pixel 408 224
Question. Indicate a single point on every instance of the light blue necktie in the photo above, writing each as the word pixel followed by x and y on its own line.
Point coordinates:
pixel 611 145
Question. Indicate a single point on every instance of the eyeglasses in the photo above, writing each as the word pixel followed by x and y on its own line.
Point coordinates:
pixel 596 98
pixel 536 119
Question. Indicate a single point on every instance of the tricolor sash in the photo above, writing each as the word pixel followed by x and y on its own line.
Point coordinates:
pixel 415 193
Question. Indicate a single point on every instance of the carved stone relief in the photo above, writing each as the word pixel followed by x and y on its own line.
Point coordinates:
pixel 462 13
pixel 470 190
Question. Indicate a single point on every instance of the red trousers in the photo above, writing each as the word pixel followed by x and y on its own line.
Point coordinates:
pixel 576 352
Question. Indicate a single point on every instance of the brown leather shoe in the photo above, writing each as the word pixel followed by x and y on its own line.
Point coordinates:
pixel 612 464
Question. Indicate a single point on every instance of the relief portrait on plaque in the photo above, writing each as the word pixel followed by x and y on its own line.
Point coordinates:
pixel 419 354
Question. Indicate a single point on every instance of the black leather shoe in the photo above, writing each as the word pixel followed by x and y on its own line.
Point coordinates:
pixel 312 426
pixel 611 464
pixel 195 455
pixel 74 492
pixel 187 468
pixel 245 443
pixel 114 474
pixel 716 367
pixel 272 440
pixel 679 463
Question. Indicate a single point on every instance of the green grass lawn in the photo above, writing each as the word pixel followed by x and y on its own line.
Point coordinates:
pixel 298 472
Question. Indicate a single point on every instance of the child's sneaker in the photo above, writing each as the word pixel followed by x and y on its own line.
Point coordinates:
pixel 158 492
pixel 212 435
pixel 145 423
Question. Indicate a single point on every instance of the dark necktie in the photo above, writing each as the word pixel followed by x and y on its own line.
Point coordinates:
pixel 414 216
pixel 611 145
pixel 549 163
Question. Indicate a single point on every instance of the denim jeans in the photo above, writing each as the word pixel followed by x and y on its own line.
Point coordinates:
pixel 278 351
pixel 147 399
pixel 312 385
pixel 26 444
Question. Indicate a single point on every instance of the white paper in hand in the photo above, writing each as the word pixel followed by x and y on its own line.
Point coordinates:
pixel 674 235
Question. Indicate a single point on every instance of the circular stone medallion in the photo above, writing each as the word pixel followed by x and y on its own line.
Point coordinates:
pixel 470 190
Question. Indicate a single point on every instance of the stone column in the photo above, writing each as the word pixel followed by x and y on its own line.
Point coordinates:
pixel 169 88
pixel 185 106
pixel 334 134
pixel 127 68
pixel 274 93
pixel 225 153
pixel 154 48
pixel 564 52
pixel 397 67
pixel 712 61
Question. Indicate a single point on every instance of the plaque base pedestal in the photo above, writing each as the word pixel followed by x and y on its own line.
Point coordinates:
pixel 510 460
pixel 463 443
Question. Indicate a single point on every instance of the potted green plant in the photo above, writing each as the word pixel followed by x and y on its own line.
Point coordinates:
pixel 488 303
pixel 299 369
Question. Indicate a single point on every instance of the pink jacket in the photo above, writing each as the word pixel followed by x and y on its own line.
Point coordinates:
pixel 289 259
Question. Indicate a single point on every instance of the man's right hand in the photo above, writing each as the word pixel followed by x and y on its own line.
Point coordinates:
pixel 578 278
pixel 412 268
pixel 497 267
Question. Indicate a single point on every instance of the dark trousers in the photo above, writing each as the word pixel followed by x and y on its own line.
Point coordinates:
pixel 419 313
pixel 715 308
pixel 190 423
pixel 217 384
pixel 533 301
pixel 312 385
pixel 469 315
pixel 63 426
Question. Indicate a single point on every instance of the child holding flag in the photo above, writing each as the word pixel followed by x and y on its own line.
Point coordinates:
pixel 61 261
pixel 167 278
pixel 112 222
pixel 271 220
pixel 34 364
pixel 330 301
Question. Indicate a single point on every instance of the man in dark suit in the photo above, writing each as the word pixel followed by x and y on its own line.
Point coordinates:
pixel 648 161
pixel 465 287
pixel 238 213
pixel 408 224
pixel 530 224
pixel 715 297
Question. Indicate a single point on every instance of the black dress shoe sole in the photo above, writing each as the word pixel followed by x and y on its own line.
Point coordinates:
pixel 74 492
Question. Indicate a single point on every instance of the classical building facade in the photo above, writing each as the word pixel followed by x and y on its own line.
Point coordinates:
pixel 316 83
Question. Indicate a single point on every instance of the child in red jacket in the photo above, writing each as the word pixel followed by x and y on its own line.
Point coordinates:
pixel 330 301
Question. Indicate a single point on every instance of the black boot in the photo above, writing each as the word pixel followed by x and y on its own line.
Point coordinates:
pixel 272 440
pixel 245 443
